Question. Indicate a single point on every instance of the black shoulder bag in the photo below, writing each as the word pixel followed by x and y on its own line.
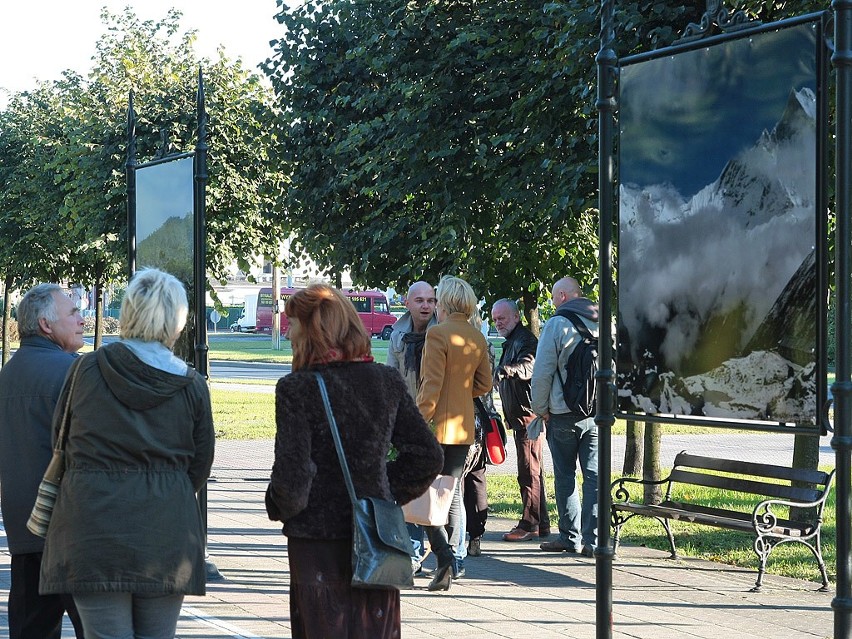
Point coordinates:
pixel 381 545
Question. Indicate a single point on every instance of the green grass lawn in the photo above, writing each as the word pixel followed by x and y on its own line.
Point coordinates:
pixel 250 349
pixel 240 414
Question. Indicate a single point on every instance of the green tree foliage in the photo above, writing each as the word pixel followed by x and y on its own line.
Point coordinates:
pixel 63 148
pixel 427 138
pixel 161 68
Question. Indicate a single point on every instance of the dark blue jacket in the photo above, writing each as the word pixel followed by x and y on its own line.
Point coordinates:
pixel 30 383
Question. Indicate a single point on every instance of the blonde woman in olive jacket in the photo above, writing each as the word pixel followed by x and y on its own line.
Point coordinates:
pixel 455 369
pixel 127 538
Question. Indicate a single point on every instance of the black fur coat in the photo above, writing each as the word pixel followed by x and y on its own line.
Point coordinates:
pixel 373 411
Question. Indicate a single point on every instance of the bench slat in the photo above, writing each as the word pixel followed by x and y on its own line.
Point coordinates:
pixel 752 468
pixel 712 516
pixel 778 491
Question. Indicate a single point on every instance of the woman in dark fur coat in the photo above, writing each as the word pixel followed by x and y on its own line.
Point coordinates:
pixel 307 492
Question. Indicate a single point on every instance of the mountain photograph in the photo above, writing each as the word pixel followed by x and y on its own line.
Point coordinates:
pixel 717 292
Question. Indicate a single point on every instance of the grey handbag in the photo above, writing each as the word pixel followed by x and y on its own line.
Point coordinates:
pixel 381 545
pixel 48 489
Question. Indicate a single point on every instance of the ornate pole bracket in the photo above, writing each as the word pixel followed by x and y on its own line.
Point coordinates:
pixel 166 149
pixel 716 20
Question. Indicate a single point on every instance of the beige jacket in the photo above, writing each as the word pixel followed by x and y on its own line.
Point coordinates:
pixel 454 370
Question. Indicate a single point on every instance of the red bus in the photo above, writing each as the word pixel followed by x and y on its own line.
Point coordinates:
pixel 372 307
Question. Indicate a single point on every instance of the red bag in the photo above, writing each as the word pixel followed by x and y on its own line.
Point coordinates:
pixel 494 447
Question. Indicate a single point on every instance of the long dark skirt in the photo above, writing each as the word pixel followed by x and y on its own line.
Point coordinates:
pixel 323 604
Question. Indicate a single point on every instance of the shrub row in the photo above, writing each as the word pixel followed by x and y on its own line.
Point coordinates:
pixel 111 325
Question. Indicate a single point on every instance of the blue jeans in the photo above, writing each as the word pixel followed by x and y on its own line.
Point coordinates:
pixel 572 439
pixel 458 539
pixel 417 537
pixel 127 615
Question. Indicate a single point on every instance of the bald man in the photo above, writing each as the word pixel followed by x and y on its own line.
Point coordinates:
pixel 409 333
pixel 404 354
pixel 571 438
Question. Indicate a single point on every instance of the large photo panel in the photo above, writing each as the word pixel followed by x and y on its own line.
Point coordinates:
pixel 717 292
pixel 164 216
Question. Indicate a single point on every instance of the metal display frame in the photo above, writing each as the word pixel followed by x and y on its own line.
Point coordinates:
pixel 199 258
pixel 717 23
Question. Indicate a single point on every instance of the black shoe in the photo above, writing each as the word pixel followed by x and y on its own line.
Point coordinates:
pixel 424 572
pixel 474 548
pixel 443 578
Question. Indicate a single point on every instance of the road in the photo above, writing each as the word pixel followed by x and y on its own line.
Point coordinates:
pixel 220 369
pixel 759 447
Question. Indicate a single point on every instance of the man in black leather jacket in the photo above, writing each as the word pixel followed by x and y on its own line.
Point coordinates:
pixel 512 380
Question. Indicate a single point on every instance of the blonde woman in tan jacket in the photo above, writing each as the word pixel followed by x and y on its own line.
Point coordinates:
pixel 455 369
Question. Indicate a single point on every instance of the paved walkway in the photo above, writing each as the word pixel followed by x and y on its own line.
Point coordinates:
pixel 513 590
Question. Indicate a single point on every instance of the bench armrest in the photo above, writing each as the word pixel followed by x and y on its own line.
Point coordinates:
pixel 763 519
pixel 621 492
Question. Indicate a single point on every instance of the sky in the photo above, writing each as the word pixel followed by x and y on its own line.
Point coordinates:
pixel 683 117
pixel 41 38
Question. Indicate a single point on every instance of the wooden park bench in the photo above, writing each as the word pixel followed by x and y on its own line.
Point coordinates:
pixel 766 520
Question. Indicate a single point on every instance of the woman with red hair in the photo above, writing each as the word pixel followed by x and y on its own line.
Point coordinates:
pixel 307 493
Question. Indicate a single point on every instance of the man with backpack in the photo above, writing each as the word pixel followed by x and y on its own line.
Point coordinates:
pixel 562 390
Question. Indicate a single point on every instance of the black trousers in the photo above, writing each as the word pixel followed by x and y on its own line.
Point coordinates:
pixel 35 616
pixel 475 494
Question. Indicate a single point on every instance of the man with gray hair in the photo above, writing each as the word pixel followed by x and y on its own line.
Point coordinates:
pixel 51 331
pixel 571 438
pixel 512 380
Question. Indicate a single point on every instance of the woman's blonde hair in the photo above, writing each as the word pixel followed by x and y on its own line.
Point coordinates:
pixel 327 327
pixel 456 296
pixel 154 307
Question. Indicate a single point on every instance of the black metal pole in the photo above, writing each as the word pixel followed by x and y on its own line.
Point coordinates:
pixel 605 417
pixel 200 279
pixel 130 174
pixel 842 387
pixel 200 236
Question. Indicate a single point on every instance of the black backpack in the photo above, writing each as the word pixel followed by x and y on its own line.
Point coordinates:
pixel 579 386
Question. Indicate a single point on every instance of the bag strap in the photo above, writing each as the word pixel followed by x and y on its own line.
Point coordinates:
pixel 479 407
pixel 581 327
pixel 336 436
pixel 62 438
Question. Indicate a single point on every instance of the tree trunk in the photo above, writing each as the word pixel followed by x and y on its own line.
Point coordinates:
pixel 633 450
pixel 651 466
pixel 7 317
pixel 805 455
pixel 185 345
pixel 99 314
pixel 530 302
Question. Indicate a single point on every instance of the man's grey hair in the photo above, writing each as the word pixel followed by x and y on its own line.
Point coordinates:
pixel 37 303
pixel 512 304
